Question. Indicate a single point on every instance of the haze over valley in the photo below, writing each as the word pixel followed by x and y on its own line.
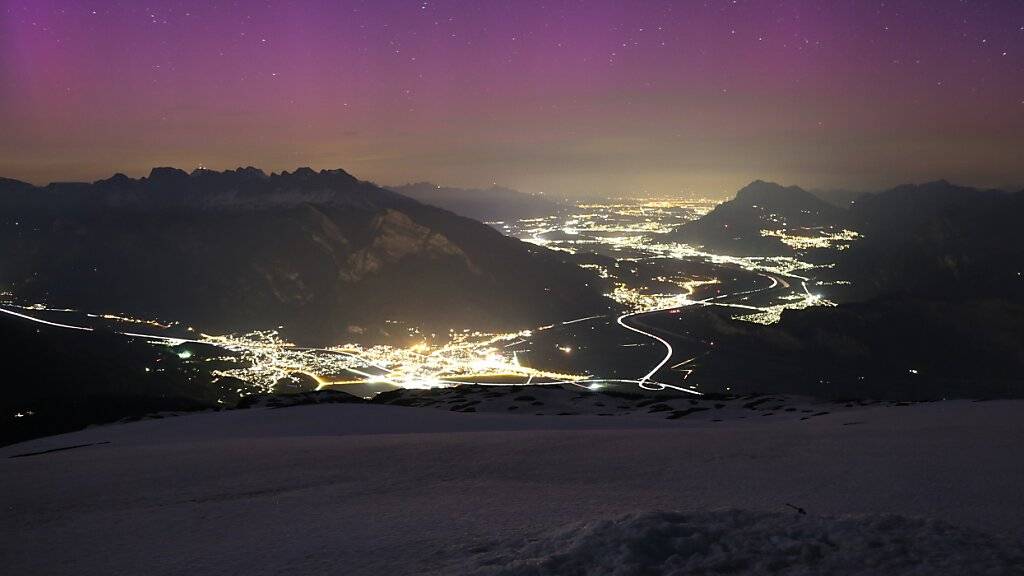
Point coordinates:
pixel 775 290
pixel 511 288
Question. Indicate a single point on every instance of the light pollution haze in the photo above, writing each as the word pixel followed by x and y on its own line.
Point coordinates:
pixel 571 98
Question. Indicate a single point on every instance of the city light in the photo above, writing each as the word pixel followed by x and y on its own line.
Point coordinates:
pixel 631 232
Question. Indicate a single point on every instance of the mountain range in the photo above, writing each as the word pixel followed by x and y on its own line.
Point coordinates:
pixel 322 254
pixel 931 307
pixel 936 239
pixel 898 348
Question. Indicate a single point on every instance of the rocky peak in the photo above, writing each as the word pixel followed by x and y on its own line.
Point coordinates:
pixel 164 174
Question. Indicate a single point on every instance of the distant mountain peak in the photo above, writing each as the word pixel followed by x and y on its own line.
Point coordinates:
pixel 243 188
pixel 118 179
pixel 248 171
pixel 167 174
pixel 8 184
pixel 736 226
pixel 761 192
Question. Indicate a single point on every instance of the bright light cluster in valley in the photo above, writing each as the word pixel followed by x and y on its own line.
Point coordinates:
pixel 636 300
pixel 639 230
pixel 620 224
pixel 467 357
pixel 815 238
pixel 633 252
pixel 263 358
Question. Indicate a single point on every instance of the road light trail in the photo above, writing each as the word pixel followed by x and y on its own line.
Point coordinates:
pixel 46 322
pixel 386 377
pixel 567 322
pixel 668 347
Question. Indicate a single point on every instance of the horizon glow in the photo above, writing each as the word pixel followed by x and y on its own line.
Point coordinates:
pixel 569 98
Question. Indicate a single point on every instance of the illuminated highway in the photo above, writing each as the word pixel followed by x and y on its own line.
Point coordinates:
pixel 718 300
pixel 281 359
pixel 649 276
pixel 478 358
pixel 668 347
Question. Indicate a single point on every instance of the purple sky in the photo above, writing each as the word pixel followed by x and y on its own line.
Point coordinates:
pixel 571 97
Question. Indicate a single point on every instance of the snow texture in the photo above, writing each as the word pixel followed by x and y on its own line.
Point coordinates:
pixel 745 542
pixel 368 490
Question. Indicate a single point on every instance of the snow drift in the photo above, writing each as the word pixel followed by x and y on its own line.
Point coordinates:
pixel 744 542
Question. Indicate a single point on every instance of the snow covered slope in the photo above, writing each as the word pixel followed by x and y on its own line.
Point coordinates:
pixel 369 489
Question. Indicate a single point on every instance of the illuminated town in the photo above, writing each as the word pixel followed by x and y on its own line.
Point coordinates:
pixel 511 287
pixel 632 232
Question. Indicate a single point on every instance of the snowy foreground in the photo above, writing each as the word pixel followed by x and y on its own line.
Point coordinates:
pixel 368 489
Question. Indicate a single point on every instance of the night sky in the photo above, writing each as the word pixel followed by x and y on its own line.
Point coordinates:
pixel 574 97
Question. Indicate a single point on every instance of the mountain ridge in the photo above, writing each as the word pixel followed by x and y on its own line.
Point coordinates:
pixel 734 226
pixel 319 252
pixel 934 238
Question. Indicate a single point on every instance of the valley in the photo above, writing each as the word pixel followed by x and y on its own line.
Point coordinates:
pixel 648 278
pixel 656 315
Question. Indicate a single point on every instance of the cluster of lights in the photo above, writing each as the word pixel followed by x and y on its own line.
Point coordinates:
pixel 468 357
pixel 653 207
pixel 611 225
pixel 7 299
pixel 779 265
pixel 573 246
pixel 637 300
pixel 816 238
pixel 772 314
pixel 264 358
pixel 641 229
pixel 621 225
pixel 133 320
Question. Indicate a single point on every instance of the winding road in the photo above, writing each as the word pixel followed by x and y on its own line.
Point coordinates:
pixel 777 282
pixel 628 321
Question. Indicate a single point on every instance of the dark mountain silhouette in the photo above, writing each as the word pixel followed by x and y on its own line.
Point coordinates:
pixel 893 348
pixel 911 205
pixel 935 307
pixel 938 240
pixel 317 252
pixel 9 185
pixel 935 240
pixel 734 227
pixel 840 197
pixel 485 204
pixel 56 380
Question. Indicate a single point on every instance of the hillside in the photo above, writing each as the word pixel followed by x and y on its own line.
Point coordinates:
pixel 321 253
pixel 56 380
pixel 905 349
pixel 737 226
pixel 931 297
pixel 936 239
